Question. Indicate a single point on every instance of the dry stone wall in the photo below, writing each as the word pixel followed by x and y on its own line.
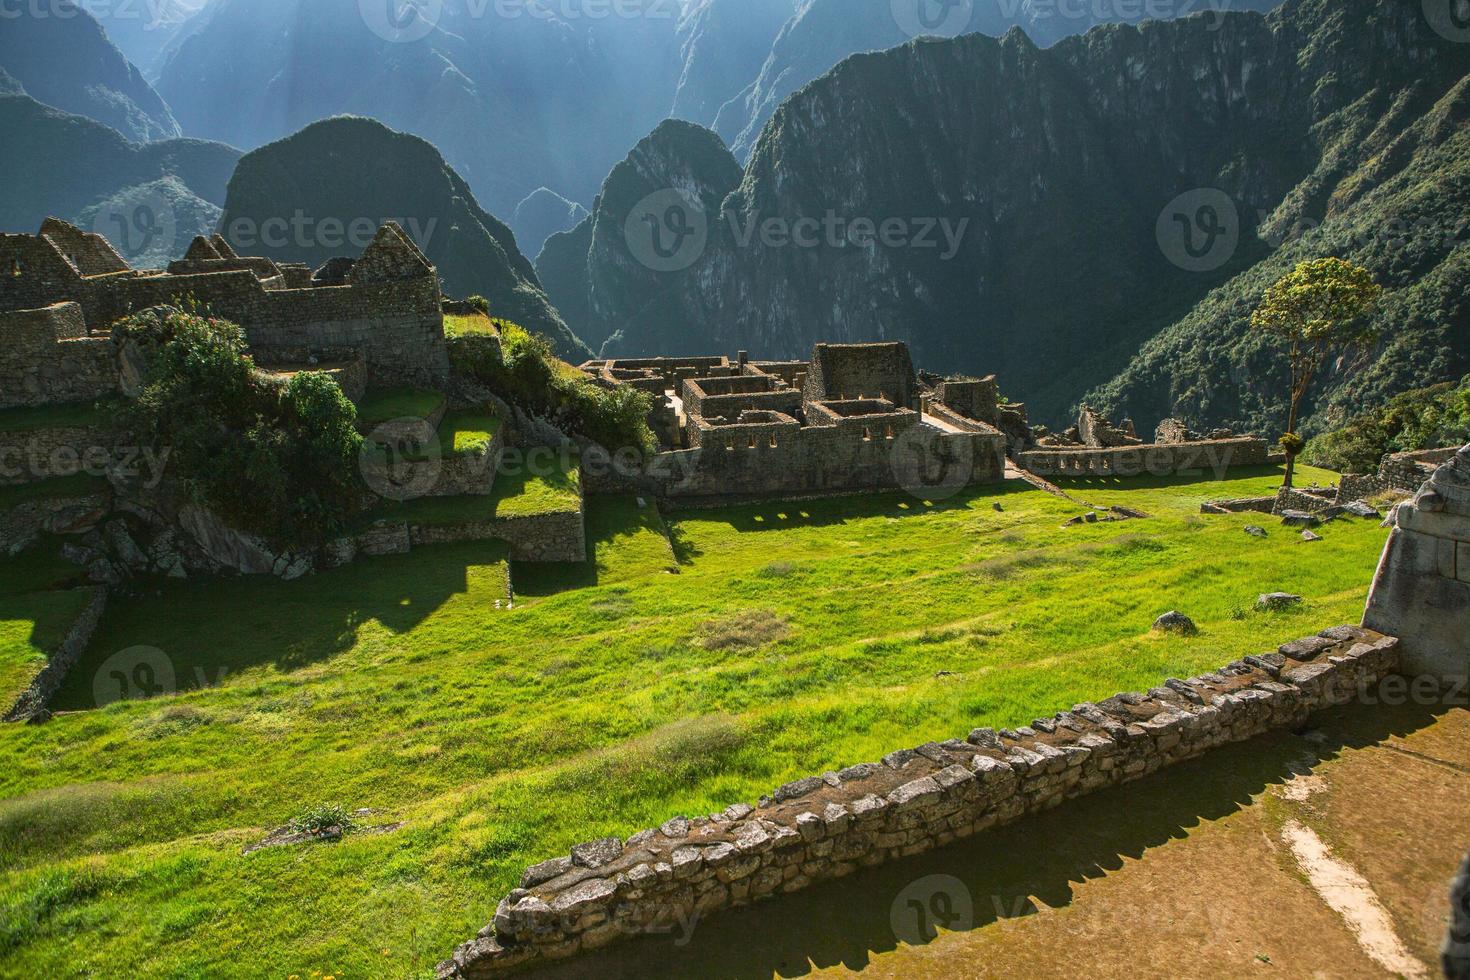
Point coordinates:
pixel 537 537
pixel 33 455
pixel 831 825
pixel 46 357
pixel 1208 457
pixel 32 703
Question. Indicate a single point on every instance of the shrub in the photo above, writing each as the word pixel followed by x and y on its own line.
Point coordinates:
pixel 523 369
pixel 276 458
pixel 315 819
pixel 1426 418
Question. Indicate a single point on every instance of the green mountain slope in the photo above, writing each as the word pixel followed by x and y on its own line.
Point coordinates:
pixel 64 58
pixel 70 167
pixel 322 193
pixel 1068 178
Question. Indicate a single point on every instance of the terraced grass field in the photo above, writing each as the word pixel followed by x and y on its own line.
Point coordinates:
pixel 793 638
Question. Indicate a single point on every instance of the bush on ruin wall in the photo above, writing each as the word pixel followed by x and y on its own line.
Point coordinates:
pixel 275 458
pixel 524 370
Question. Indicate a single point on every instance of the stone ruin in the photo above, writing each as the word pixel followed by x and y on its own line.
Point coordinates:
pixel 1094 446
pixel 383 307
pixel 1421 592
pixel 853 417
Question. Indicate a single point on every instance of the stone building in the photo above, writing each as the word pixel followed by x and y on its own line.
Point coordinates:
pixel 854 417
pixel 386 305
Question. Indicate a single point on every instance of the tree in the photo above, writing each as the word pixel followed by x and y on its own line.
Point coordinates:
pixel 1316 310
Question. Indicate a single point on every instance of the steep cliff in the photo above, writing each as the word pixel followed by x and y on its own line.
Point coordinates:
pixel 599 274
pixel 71 167
pixel 63 58
pixel 1053 211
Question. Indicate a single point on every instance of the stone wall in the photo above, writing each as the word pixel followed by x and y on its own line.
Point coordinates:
pixel 1211 457
pixel 31 705
pixel 780 458
pixel 540 537
pixel 1422 587
pixel 47 357
pixel 33 455
pixel 839 372
pixel 390 306
pixel 829 826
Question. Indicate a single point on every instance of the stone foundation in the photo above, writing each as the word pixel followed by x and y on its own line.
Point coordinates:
pixel 1213 457
pixel 831 825
pixel 540 537
pixel 1422 588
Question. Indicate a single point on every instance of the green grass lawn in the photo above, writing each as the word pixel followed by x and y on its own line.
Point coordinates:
pixel 466 431
pixel 32 625
pixel 458 326
pixel 400 403
pixel 60 416
pixel 795 638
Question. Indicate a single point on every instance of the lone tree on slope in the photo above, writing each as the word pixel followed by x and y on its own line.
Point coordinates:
pixel 1316 310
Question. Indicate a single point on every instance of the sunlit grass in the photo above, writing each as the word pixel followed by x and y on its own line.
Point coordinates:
pixel 599 704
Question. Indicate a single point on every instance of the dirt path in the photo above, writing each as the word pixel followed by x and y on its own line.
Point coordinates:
pixel 1322 856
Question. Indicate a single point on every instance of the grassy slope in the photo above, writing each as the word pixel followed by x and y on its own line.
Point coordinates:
pixel 503 737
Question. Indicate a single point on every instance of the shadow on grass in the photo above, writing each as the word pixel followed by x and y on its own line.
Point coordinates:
pixel 211 629
pixel 835 511
pixel 1007 871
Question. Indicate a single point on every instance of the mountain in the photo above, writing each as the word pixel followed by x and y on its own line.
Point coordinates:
pixel 323 192
pixel 824 32
pixel 515 102
pixel 65 59
pixel 144 31
pixel 722 46
pixel 598 273
pixel 150 199
pixel 1017 210
pixel 543 214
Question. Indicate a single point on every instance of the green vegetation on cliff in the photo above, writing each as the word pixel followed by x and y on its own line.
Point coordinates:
pixel 1436 417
